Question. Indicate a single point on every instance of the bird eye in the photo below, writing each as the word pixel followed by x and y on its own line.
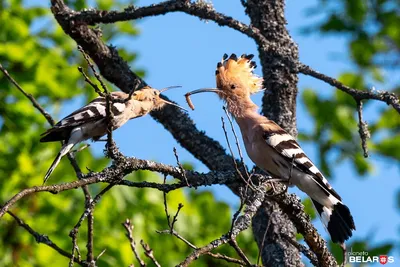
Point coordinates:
pixel 233 86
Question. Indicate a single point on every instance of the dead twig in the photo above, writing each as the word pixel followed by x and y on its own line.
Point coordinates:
pixel 95 73
pixel 129 229
pixel 233 156
pixel 239 251
pixel 181 167
pixel 384 96
pixel 44 239
pixel 29 96
pixel 149 253
pixel 87 79
pixel 363 128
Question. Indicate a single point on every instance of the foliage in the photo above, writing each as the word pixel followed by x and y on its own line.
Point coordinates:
pixel 373 36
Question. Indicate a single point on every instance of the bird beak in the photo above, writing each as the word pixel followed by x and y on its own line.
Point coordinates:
pixel 169 87
pixel 203 90
pixel 173 104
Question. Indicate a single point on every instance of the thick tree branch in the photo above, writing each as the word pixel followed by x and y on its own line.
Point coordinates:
pixel 115 173
pixel 198 9
pixel 279 104
pixel 291 205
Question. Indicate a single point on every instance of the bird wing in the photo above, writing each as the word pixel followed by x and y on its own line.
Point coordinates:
pixel 284 144
pixel 94 111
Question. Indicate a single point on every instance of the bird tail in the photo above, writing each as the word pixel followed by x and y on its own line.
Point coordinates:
pixel 64 150
pixel 337 220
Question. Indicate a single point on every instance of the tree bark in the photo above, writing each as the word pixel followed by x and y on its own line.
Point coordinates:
pixel 279 104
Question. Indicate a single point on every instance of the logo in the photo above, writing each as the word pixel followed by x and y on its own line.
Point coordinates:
pixel 364 257
pixel 383 259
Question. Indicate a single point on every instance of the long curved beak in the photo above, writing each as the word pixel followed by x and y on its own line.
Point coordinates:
pixel 169 87
pixel 173 104
pixel 203 90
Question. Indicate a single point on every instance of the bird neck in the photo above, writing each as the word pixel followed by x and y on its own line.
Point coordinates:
pixel 247 117
pixel 240 108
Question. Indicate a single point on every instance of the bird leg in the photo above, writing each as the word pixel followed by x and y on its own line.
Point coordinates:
pixel 277 180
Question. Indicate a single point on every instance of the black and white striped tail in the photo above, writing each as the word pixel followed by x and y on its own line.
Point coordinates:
pixel 337 220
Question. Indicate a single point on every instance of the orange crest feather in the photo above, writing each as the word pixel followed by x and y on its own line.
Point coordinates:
pixel 233 71
pixel 141 94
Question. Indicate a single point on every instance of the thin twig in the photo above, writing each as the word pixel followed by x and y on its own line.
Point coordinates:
pixel 75 249
pixel 44 239
pixel 387 97
pixel 239 251
pixel 176 234
pixel 263 242
pixel 95 73
pixel 233 156
pixel 90 207
pixel 237 142
pixel 149 253
pixel 87 79
pixel 363 128
pixel 100 254
pixel 29 96
pixel 181 167
pixel 226 258
pixel 303 249
pixel 166 205
pixel 175 219
pixel 129 228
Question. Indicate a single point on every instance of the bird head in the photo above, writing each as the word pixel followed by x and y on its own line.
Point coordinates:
pixel 153 97
pixel 235 81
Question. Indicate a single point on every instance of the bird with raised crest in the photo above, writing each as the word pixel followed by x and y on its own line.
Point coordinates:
pixel 274 150
pixel 90 121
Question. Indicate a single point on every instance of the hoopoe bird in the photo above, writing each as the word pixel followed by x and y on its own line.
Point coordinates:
pixel 90 121
pixel 272 149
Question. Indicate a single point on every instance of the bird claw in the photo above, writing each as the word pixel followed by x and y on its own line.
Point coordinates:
pixel 276 192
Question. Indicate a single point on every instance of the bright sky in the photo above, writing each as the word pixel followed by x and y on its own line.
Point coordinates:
pixel 177 49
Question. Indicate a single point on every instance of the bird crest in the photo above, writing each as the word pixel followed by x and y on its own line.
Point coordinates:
pixel 234 72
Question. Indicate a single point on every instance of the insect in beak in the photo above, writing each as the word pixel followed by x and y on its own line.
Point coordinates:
pixel 202 90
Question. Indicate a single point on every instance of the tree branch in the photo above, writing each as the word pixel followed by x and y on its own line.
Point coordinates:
pixel 115 173
pixel 198 9
pixel 29 96
pixel 384 96
pixel 362 129
pixel 44 239
pixel 129 229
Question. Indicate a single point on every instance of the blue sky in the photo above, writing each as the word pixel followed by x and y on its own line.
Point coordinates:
pixel 178 49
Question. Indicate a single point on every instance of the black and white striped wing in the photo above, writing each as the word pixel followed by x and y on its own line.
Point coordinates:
pixel 286 146
pixel 92 112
